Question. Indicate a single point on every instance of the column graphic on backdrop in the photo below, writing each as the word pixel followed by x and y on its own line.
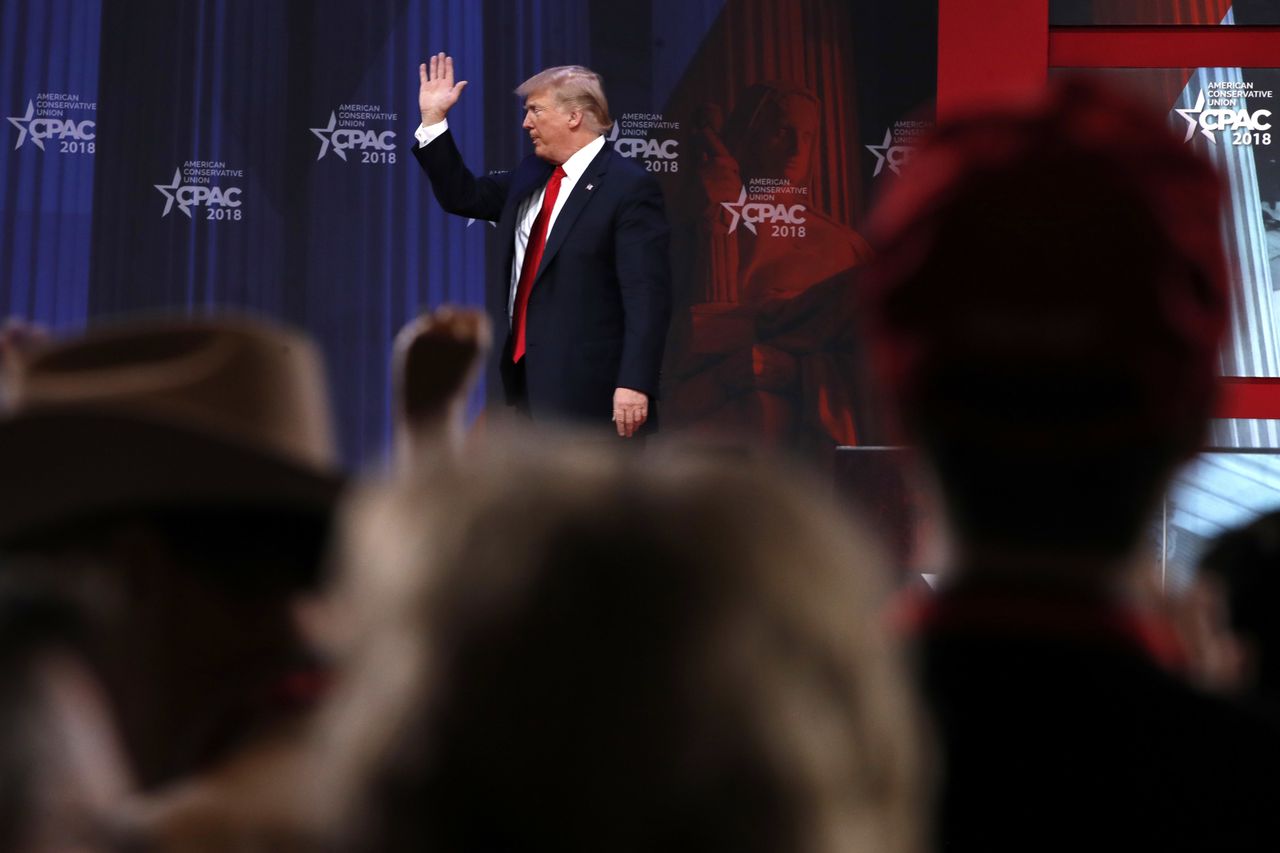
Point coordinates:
pixel 893 152
pixel 205 189
pixel 57 122
pixel 359 133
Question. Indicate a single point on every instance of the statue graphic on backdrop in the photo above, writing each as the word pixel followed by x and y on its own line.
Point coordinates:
pixel 767 347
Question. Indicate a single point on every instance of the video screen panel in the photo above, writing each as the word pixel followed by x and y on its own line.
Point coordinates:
pixel 1230 115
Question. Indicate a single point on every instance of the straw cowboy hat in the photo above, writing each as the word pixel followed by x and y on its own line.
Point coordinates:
pixel 164 413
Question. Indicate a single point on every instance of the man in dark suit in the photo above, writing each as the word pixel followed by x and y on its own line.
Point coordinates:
pixel 584 283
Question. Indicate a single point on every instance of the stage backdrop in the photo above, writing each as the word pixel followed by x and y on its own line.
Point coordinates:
pixel 198 154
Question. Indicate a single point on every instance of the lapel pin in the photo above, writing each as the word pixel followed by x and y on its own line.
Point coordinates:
pixel 590 187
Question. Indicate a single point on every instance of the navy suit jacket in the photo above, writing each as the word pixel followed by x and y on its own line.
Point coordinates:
pixel 601 300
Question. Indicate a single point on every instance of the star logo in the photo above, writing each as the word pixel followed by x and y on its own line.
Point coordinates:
pixel 1191 116
pixel 170 193
pixel 20 122
pixel 881 153
pixel 325 135
pixel 735 208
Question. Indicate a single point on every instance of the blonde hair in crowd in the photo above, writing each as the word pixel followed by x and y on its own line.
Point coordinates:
pixel 574 87
pixel 758 646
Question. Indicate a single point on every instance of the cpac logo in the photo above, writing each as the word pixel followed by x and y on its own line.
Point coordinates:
pixel 1207 121
pixel 40 129
pixel 196 196
pixel 753 213
pixel 627 146
pixel 888 154
pixel 345 139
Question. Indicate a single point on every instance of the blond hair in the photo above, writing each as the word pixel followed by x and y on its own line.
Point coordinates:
pixel 574 87
pixel 687 650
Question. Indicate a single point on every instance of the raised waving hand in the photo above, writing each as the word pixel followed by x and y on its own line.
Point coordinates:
pixel 437 92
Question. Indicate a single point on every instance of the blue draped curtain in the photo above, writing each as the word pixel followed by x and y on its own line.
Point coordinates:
pixel 48 54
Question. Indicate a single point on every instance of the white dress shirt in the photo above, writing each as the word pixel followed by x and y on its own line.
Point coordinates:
pixel 528 212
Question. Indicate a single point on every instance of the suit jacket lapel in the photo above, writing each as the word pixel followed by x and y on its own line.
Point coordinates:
pixel 573 206
pixel 529 177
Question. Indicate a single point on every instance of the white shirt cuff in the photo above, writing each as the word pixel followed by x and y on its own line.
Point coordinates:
pixel 426 134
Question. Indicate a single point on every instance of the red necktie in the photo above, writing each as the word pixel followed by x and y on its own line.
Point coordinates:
pixel 533 257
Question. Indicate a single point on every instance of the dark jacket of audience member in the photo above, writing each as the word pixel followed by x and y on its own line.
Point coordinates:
pixel 573 650
pixel 1046 312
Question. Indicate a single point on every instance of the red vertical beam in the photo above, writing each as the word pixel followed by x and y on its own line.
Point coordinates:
pixel 990 51
pixel 1165 47
pixel 1248 397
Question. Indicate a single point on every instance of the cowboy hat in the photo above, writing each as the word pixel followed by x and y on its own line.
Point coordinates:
pixel 166 412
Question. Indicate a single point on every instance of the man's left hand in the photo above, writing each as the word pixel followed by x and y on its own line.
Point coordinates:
pixel 630 411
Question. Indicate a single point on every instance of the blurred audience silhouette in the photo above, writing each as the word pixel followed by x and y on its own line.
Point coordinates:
pixel 559 647
pixel 1046 311
pixel 187 469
